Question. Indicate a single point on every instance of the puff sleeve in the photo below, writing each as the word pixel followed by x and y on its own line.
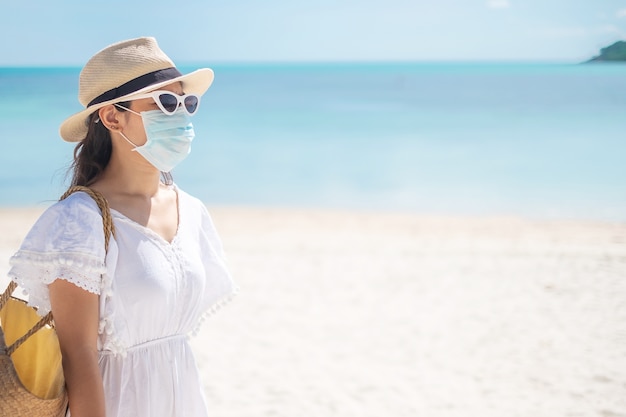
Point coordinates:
pixel 66 242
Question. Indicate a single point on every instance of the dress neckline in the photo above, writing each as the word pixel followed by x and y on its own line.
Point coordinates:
pixel 149 232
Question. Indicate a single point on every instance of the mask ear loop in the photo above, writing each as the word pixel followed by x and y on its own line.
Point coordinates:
pixel 128 140
pixel 120 132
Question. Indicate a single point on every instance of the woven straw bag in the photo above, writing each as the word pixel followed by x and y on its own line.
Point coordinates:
pixel 31 378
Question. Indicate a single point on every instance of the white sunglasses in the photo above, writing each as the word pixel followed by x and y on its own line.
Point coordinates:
pixel 168 102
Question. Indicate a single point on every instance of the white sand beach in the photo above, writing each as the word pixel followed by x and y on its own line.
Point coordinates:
pixel 365 314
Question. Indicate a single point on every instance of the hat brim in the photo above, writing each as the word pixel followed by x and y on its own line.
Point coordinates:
pixel 75 127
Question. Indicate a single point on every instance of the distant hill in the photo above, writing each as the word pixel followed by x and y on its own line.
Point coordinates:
pixel 615 52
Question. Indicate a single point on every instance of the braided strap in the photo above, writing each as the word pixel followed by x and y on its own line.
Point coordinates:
pixel 109 229
pixel 7 293
pixel 47 319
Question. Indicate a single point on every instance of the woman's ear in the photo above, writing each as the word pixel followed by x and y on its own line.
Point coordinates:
pixel 110 118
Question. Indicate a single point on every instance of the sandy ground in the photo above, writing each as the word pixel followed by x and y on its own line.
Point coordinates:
pixel 362 314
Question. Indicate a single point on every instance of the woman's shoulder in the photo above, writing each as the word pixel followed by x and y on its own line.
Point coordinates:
pixel 190 202
pixel 195 211
pixel 68 220
pixel 78 207
pixel 79 202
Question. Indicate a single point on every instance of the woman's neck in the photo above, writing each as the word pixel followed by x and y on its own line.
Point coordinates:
pixel 129 175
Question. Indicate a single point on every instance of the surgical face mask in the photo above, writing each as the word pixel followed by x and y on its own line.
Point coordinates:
pixel 168 138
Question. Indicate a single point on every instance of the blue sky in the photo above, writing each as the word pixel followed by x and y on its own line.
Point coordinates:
pixel 68 32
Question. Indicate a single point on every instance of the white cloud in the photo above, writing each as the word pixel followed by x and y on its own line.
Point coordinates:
pixel 563 32
pixel 557 32
pixel 611 29
pixel 621 13
pixel 498 4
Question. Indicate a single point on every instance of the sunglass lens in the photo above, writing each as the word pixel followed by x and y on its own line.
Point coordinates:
pixel 169 102
pixel 191 104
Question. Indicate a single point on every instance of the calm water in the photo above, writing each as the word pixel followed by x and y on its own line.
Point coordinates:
pixel 534 140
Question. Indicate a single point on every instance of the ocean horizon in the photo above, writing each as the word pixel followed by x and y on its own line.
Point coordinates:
pixel 539 140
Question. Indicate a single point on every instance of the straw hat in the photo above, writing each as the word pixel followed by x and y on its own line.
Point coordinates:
pixel 124 70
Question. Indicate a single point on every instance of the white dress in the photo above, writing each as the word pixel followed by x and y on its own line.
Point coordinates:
pixel 153 294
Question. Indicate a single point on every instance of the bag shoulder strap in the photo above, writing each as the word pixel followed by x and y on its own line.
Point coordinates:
pixel 109 230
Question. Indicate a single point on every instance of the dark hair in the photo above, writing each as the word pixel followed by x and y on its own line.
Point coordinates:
pixel 92 154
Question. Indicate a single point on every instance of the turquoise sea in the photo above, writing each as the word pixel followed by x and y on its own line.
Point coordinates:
pixel 536 140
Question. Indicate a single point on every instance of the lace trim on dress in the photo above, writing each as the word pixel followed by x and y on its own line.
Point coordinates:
pixel 33 271
pixel 214 309
pixel 113 344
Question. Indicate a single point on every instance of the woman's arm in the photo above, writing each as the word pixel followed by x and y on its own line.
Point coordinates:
pixel 76 317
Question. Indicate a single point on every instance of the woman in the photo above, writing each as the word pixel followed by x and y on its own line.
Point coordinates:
pixel 122 317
